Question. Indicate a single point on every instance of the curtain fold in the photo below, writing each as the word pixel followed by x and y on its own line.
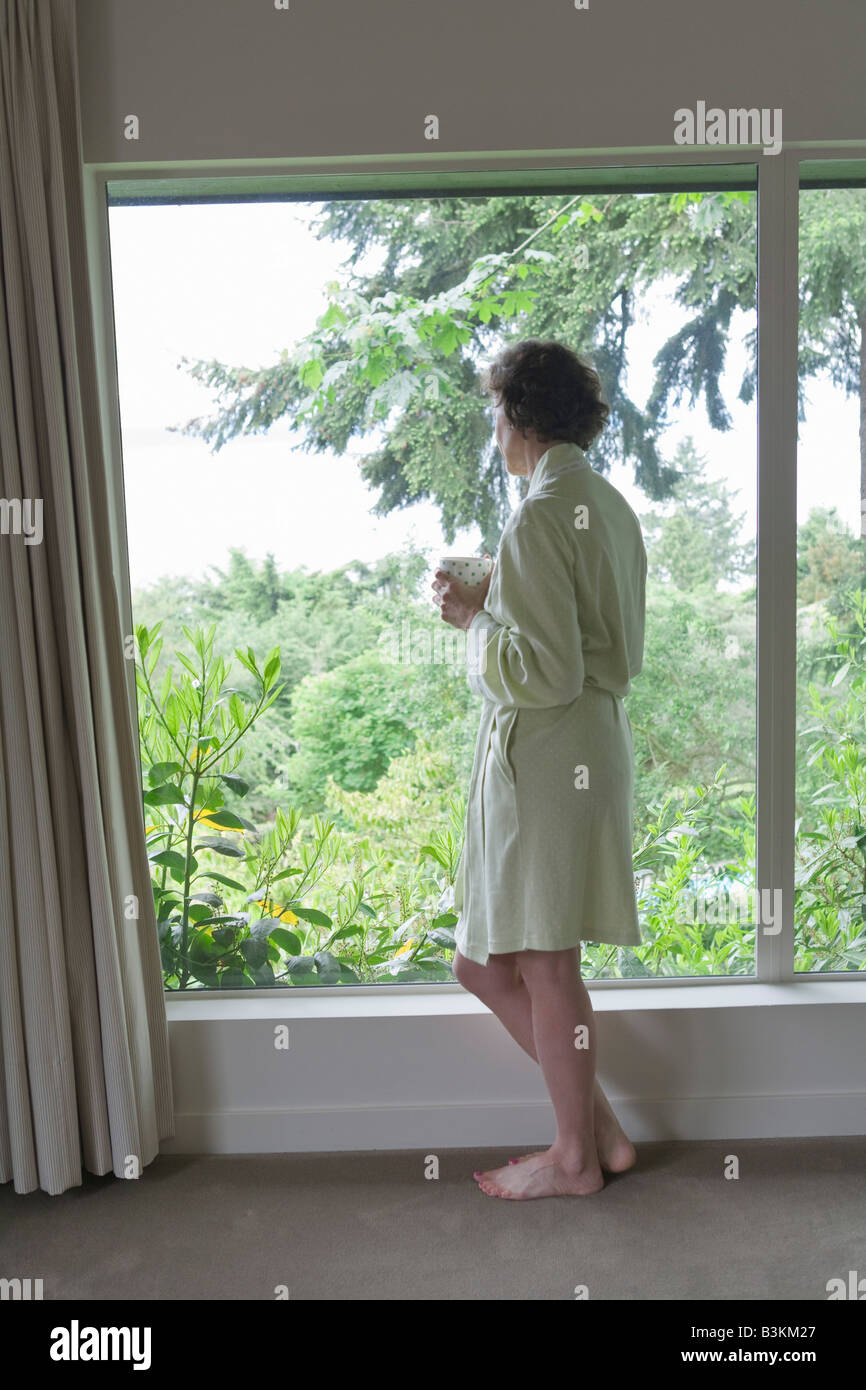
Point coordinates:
pixel 85 1081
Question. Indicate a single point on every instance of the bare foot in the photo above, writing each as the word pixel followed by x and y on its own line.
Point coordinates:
pixel 540 1175
pixel 616 1153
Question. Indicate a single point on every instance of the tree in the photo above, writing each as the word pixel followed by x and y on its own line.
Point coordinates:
pixel 388 346
pixel 828 558
pixel 248 589
pixel 833 298
pixel 389 341
pixel 694 543
pixel 692 710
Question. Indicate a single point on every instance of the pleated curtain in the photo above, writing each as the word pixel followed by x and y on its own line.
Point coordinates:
pixel 85 1083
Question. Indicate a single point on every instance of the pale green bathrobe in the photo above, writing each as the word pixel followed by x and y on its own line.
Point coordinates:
pixel 547 853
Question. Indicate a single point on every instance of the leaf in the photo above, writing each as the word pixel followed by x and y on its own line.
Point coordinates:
pixel 263 974
pixel 234 978
pixel 286 940
pixel 202 947
pixel 237 784
pixel 286 873
pixel 444 938
pixel 221 847
pixel 169 859
pixel 311 373
pixel 445 919
pixel 229 882
pixel 262 928
pixel 225 935
pixel 170 709
pixel 213 899
pixel 285 914
pixel 310 914
pixel 328 967
pixel 431 852
pixel 168 957
pixel 220 820
pixel 166 795
pixel 220 919
pixel 206 973
pixel 350 929
pixel 161 772
pixel 254 952
pixel 236 710
pixel 300 965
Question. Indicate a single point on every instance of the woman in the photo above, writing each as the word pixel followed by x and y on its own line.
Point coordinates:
pixel 555 636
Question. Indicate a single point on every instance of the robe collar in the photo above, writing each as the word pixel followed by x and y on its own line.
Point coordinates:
pixel 561 458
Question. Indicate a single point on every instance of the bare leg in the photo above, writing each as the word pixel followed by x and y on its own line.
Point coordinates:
pixel 564 1030
pixel 500 986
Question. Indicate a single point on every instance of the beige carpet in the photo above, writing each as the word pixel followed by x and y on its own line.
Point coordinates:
pixel 371 1226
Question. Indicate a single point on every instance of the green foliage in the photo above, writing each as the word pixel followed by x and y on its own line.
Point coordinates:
pixel 692 543
pixel 189 733
pixel 286 905
pixel 832 290
pixel 381 847
pixel 830 866
pixel 258 919
pixel 410 803
pixel 829 561
pixel 351 722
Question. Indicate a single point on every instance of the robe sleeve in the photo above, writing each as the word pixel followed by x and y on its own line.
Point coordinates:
pixel 534 657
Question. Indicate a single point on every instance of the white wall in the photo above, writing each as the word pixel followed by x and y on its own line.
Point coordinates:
pixel 710 1062
pixel 227 79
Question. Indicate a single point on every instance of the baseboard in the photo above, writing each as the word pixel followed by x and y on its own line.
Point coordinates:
pixel 339 1129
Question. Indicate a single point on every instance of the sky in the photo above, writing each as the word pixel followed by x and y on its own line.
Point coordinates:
pixel 238 283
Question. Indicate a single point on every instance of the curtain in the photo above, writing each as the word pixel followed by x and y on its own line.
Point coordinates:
pixel 84 1063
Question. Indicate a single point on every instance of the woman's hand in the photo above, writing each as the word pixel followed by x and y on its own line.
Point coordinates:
pixel 459 602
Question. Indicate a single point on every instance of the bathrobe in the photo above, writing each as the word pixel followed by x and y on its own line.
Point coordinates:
pixel 548 836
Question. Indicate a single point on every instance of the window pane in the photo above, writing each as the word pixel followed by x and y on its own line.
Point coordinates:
pixel 830 848
pixel 251 527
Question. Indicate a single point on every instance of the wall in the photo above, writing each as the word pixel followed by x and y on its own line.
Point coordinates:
pixel 438 1071
pixel 228 79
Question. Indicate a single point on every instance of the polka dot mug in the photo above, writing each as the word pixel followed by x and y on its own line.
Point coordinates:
pixel 469 569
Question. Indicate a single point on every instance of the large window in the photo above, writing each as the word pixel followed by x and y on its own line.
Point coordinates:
pixel 288 489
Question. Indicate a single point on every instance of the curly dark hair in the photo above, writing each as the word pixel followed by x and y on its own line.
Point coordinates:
pixel 547 387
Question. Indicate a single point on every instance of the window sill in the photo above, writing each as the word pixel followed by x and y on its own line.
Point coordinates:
pixel 421 1001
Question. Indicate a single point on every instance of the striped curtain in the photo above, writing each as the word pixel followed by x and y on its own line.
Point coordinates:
pixel 84 1066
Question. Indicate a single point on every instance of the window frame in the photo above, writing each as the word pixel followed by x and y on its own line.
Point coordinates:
pixel 777 180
